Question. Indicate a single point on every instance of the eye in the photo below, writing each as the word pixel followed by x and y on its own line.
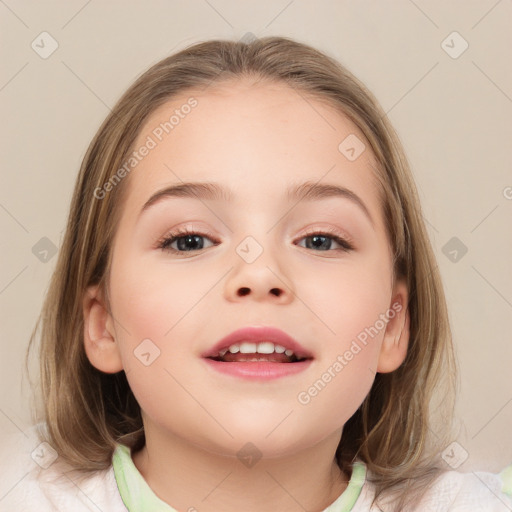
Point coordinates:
pixel 186 241
pixel 322 240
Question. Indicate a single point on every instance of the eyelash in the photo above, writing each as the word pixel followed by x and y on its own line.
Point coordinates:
pixel 345 243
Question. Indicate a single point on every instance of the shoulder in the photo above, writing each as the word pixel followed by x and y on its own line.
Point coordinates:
pixel 476 490
pixel 33 477
pixel 454 491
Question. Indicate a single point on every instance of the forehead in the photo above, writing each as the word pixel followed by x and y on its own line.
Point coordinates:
pixel 251 103
pixel 257 135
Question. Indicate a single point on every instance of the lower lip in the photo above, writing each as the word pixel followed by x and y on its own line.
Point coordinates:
pixel 258 370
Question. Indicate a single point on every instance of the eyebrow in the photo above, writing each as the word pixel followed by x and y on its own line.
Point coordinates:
pixel 308 190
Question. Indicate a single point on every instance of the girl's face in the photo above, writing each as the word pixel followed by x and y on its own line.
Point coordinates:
pixel 253 262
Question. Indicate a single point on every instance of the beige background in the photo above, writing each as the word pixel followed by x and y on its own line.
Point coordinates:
pixel 453 116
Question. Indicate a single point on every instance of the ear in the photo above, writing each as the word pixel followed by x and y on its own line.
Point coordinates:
pixel 99 336
pixel 396 338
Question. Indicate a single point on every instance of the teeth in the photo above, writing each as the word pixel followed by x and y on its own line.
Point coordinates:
pixel 247 348
pixel 264 347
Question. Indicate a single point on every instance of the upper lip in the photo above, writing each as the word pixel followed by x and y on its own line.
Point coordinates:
pixel 256 335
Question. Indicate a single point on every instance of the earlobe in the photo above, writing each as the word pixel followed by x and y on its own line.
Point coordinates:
pixel 396 337
pixel 100 344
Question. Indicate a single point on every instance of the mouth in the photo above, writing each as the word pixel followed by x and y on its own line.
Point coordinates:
pixel 255 343
pixel 265 351
pixel 258 353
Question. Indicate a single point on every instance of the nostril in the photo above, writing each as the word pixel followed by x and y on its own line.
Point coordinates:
pixel 245 291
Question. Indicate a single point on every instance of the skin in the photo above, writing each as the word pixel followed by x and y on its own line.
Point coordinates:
pixel 257 139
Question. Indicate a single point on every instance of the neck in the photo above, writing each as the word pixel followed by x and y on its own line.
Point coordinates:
pixel 188 477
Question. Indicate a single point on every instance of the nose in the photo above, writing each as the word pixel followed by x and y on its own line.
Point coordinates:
pixel 260 280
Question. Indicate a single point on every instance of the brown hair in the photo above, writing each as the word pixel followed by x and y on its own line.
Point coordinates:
pixel 86 412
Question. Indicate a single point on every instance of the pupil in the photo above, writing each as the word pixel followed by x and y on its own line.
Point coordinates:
pixel 186 243
pixel 324 242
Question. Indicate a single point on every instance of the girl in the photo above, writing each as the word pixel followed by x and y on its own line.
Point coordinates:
pixel 246 312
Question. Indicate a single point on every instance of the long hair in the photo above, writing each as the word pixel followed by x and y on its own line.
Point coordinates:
pixel 403 423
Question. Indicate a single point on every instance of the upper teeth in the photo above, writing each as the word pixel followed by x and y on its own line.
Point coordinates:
pixel 264 347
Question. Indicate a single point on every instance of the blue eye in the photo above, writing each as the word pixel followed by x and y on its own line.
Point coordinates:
pixel 192 241
pixel 323 241
pixel 187 241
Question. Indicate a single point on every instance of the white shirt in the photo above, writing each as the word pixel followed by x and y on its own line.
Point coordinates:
pixel 31 479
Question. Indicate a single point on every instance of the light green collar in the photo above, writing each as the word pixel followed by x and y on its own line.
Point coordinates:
pixel 139 497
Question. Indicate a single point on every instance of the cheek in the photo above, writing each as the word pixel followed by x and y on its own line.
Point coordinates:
pixel 343 299
pixel 156 310
pixel 150 300
pixel 349 302
pixel 349 333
